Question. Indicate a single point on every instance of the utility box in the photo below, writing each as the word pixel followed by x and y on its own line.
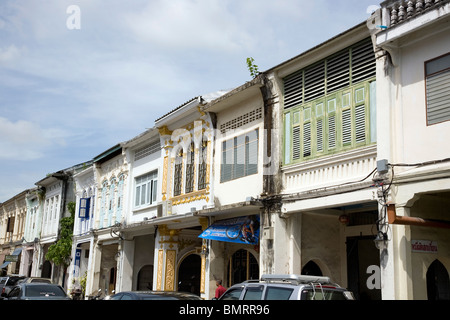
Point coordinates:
pixel 382 166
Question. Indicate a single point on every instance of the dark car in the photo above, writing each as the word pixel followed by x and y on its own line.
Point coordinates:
pixel 36 291
pixel 8 282
pixel 154 295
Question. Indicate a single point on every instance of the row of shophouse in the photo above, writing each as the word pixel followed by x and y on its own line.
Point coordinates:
pixel 335 162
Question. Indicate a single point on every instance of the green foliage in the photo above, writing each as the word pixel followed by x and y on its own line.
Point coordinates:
pixel 252 67
pixel 60 252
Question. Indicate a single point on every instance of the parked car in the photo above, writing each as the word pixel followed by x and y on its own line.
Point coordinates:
pixel 36 291
pixel 154 295
pixel 35 279
pixel 287 287
pixel 8 282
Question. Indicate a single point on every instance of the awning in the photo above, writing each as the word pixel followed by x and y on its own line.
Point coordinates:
pixel 238 230
pixel 11 258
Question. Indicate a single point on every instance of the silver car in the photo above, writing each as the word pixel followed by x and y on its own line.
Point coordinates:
pixel 287 287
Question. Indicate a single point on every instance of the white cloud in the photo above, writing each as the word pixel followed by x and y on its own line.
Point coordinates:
pixel 189 24
pixel 9 53
pixel 24 140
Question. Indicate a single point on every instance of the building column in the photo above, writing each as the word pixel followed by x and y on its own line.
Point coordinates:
pixel 127 251
pixel 166 250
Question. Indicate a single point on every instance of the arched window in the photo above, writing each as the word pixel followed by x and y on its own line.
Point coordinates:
pixel 243 266
pixel 190 168
pixel 178 173
pixel 312 269
pixel 202 165
pixel 438 283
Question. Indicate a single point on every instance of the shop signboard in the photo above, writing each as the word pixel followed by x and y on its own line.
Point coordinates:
pixel 424 246
pixel 238 230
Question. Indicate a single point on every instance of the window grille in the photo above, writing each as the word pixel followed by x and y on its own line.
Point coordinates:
pixel 202 167
pixel 190 167
pixel 178 173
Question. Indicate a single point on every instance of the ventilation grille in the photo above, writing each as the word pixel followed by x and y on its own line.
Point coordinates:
pixel 293 89
pixel 314 82
pixel 147 150
pixel 242 120
pixel 363 62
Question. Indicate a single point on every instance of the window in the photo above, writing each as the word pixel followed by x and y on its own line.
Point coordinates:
pixel 437 74
pixel 253 293
pixel 146 189
pixel 329 105
pixel 178 173
pixel 323 294
pixel 239 156
pixel 202 166
pixel 278 293
pixel 232 294
pixel 84 208
pixel 190 168
pixel 330 124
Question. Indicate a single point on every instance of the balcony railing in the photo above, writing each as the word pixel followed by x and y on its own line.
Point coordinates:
pixel 402 10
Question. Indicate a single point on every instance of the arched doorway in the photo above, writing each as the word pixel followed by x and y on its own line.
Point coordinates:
pixel 312 269
pixel 438 282
pixel 243 266
pixel 189 274
pixel 145 278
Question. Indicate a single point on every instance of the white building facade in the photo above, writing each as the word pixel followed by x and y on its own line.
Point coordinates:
pixel 413 85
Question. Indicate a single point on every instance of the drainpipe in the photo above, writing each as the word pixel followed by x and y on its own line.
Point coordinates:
pixel 414 221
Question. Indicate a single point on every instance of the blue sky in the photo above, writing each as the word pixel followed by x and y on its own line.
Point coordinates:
pixel 67 95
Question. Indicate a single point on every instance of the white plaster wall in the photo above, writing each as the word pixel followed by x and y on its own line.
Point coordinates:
pixel 239 189
pixel 415 141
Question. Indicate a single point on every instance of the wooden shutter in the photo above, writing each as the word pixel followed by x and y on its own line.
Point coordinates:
pixel 296 143
pixel 84 208
pixel 360 123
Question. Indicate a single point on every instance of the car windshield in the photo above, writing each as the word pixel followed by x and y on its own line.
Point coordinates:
pixel 44 291
pixel 13 280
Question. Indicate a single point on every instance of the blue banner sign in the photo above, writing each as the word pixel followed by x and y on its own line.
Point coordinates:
pixel 237 230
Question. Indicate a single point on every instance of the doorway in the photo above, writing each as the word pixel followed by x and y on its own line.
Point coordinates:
pixel 438 282
pixel 145 278
pixel 189 274
pixel 361 254
pixel 243 266
pixel 46 270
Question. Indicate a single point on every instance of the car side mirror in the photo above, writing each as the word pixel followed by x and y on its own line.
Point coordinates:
pixel 349 295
